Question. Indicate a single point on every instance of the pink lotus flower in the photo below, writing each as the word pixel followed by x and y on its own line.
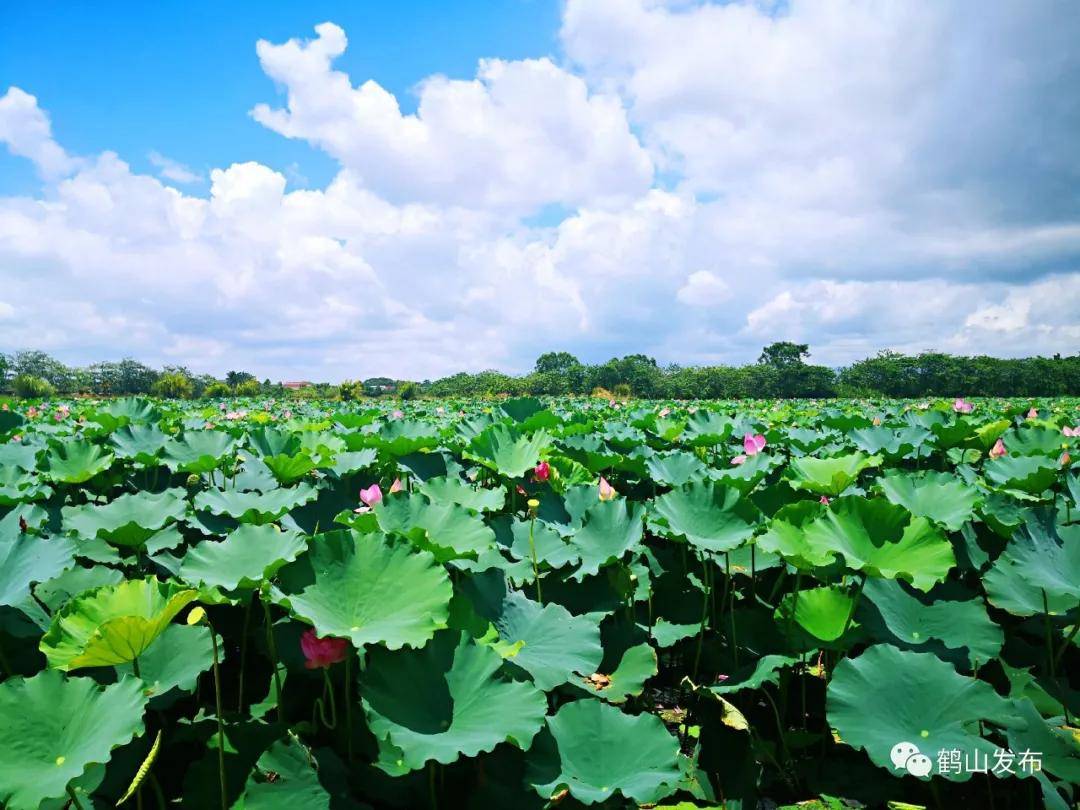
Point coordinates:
pixel 542 471
pixel 607 491
pixel 753 444
pixel 664 412
pixel 824 500
pixel 739 459
pixel 440 410
pixel 32 412
pixel 287 414
pixel 397 414
pixel 1065 459
pixel 960 406
pixel 1071 431
pixel 322 652
pixel 998 450
pixel 371 496
pixel 396 486
pixel 1032 414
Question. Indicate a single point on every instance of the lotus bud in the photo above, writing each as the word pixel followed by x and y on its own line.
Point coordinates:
pixel 197 615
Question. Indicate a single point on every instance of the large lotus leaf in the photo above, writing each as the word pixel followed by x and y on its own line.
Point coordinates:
pixel 270 441
pixel 753 676
pixel 142 443
pixel 175 660
pixel 1034 441
pixel 26 559
pixel 711 517
pixel 888 696
pixel 398 437
pixel 246 557
pixel 129 520
pixel 1059 746
pixel 883 540
pixel 636 666
pixel 549 642
pixel 446 700
pixel 829 476
pixel 941 497
pixel 611 529
pixel 112 624
pixel 1045 557
pixel 822 612
pixel 1032 474
pixel 445 529
pixel 508 450
pixel 675 468
pixel 126 410
pixel 19 486
pixel 198 451
pixel 893 443
pixel 54 593
pixel 787 536
pixel 914 619
pixel 706 427
pixel 284 776
pixel 368 590
pixel 1008 590
pixel 19 454
pixel 288 468
pixel 546 543
pixel 55 726
pixel 255 507
pixel 352 461
pixel 603 752
pixel 451 489
pixel 75 462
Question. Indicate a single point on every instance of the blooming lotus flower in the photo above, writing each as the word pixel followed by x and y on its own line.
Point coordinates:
pixel 960 406
pixel 1032 414
pixel 998 450
pixel 322 652
pixel 397 414
pixel 739 459
pixel 1071 431
pixel 824 500
pixel 542 471
pixel 371 496
pixel 607 491
pixel 396 486
pixel 753 444
pixel 32 412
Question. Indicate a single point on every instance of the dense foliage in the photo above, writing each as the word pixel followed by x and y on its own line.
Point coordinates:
pixel 529 603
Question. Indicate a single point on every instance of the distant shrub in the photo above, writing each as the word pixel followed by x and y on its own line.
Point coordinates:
pixel 173 385
pixel 622 390
pixel 217 390
pixel 602 393
pixel 27 386
pixel 409 390
pixel 351 390
pixel 248 388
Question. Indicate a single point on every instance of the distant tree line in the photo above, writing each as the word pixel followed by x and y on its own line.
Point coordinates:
pixel 781 371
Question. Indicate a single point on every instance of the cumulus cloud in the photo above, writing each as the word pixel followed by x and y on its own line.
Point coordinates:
pixel 834 174
pixel 173 170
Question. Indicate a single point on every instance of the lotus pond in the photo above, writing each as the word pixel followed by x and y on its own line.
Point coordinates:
pixel 528 604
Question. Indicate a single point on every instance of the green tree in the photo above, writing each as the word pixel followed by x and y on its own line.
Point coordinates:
pixel 784 354
pixel 248 388
pixel 174 385
pixel 556 362
pixel 235 378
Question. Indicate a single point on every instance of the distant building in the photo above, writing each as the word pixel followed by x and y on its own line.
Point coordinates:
pixel 296 385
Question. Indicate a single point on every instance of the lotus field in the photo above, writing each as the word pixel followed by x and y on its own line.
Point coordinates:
pixel 524 604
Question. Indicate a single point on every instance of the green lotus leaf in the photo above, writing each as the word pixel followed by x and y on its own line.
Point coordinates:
pixel 787 537
pixel 75 462
pixel 198 451
pixel 141 443
pixel 941 497
pixel 675 468
pixel 706 428
pixel 822 612
pixel 175 660
pixel 55 727
pixel 284 776
pixel 367 589
pixel 26 559
pixel 20 486
pixel 1059 747
pixel 129 520
pixel 753 676
pixel 58 590
pixel 445 529
pixel 352 461
pixel 399 437
pixel 451 489
pixel 610 530
pixel 271 441
pixel 637 665
pixel 602 752
pixel 888 696
pixel 1033 474
pixel 915 619
pixel 247 556
pixel 892 443
pixel 112 624
pixel 508 450
pixel 255 507
pixel 447 700
pixel 711 517
pixel 829 476
pixel 883 540
pixel 551 643
pixel 1034 441
pixel 128 410
pixel 288 468
pixel 1045 557
pixel 19 454
pixel 549 546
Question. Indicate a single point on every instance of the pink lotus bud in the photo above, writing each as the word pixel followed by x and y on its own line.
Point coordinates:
pixel 664 412
pixel 396 486
pixel 998 450
pixel 542 471
pixel 739 459
pixel 823 500
pixel 607 491
pixel 960 406
pixel 753 444
pixel 877 421
pixel 1065 459
pixel 322 652
pixel 1032 414
pixel 371 496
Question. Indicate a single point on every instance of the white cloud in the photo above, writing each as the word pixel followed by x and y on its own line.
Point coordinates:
pixel 26 130
pixel 703 289
pixel 173 170
pixel 520 135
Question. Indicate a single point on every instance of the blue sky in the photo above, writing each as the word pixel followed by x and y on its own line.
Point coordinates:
pixel 331 190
